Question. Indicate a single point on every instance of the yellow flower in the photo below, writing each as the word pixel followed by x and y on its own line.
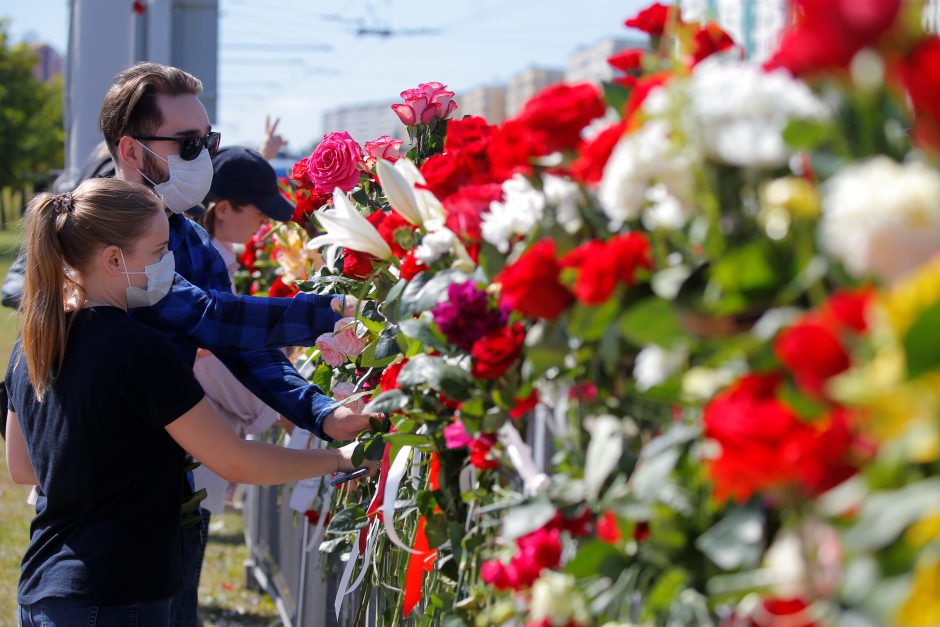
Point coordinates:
pixel 911 296
pixel 924 531
pixel 922 607
pixel 797 196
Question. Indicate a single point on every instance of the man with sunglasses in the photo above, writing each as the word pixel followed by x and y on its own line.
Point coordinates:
pixel 158 134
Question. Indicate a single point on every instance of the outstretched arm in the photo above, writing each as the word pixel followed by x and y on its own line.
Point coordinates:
pixel 221 321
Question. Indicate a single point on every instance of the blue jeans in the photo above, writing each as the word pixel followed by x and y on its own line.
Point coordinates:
pixel 184 605
pixel 52 612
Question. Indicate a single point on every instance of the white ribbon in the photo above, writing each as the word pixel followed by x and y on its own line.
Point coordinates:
pixel 521 457
pixel 319 530
pixel 392 483
pixel 347 575
pixel 367 559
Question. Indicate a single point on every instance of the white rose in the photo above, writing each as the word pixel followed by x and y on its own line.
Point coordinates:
pixel 556 598
pixel 655 364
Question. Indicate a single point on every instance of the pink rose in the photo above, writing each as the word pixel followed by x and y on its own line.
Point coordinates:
pixel 348 339
pixel 343 390
pixel 383 148
pixel 336 162
pixel 456 436
pixel 425 103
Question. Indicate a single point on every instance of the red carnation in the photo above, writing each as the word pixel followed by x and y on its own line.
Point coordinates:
pixel 651 20
pixel 559 112
pixel 627 60
pixel 593 155
pixel 494 353
pixel 607 528
pixel 848 309
pixel 388 226
pixel 411 266
pixel 524 405
pixel 790 612
pixel 813 353
pixel 445 174
pixel 300 174
pixel 389 379
pixel 708 40
pixel 356 264
pixel 513 146
pixel 471 135
pixel 828 33
pixel 480 452
pixel 541 547
pixel 920 73
pixel 601 265
pixel 498 575
pixel 765 445
pixel 465 208
pixel 531 286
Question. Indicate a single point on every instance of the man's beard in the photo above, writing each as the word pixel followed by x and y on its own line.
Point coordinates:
pixel 151 170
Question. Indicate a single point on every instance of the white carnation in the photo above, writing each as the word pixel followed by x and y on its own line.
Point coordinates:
pixel 438 241
pixel 881 218
pixel 555 597
pixel 640 161
pixel 520 211
pixel 655 364
pixel 565 196
pixel 741 111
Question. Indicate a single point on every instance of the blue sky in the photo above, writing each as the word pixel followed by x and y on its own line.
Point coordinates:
pixel 475 42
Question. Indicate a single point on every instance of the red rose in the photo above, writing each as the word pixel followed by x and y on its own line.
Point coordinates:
pixel 280 289
pixel 356 264
pixel 494 353
pixel 389 379
pixel 641 531
pixel 765 445
pixel 530 285
pixel 411 266
pixel 465 208
pixel 300 175
pixel 498 575
pixel 307 203
pixel 471 135
pixel 559 112
pixel 627 60
pixel 601 265
pixel 607 528
pixel 813 353
pixel 828 33
pixel 920 73
pixel 542 547
pixel 593 155
pixel 651 20
pixel 335 162
pixel 708 40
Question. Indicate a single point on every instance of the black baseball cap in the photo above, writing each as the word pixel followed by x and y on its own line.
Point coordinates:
pixel 242 174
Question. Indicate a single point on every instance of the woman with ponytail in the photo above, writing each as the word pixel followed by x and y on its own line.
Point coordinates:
pixel 101 410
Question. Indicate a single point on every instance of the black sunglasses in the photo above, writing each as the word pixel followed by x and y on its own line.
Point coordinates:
pixel 190 146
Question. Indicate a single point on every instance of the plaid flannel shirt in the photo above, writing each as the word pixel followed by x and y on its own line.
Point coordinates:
pixel 201 311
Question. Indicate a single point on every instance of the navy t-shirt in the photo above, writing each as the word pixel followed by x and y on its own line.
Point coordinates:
pixel 107 520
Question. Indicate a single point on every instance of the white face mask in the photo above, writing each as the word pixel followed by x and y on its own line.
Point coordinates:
pixel 159 281
pixel 189 181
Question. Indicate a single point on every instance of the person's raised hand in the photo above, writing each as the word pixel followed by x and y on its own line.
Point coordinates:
pixel 345 463
pixel 272 143
pixel 348 307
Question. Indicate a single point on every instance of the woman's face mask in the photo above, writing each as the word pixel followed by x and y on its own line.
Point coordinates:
pixel 159 281
pixel 189 181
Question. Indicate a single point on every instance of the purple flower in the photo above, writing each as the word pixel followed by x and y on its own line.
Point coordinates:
pixel 466 315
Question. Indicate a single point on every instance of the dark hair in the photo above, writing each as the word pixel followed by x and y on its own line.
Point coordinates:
pixel 130 106
pixel 63 232
pixel 207 219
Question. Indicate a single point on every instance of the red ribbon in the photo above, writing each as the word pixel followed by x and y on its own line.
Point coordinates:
pixel 418 564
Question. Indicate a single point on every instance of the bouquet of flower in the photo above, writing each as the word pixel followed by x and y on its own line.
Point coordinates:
pixel 659 353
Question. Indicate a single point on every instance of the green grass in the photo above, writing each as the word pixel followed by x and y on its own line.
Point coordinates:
pixel 223 598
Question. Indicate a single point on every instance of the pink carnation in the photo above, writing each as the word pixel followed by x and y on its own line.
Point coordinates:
pixel 425 103
pixel 456 436
pixel 383 148
pixel 336 162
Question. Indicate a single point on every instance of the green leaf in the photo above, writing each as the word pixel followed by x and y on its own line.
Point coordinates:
pixel 590 323
pixel 409 296
pixel 885 515
pixel 421 331
pixel 665 591
pixel 651 321
pixel 615 95
pixel 805 406
pixel 396 291
pixel 323 377
pixel 406 439
pixel 435 529
pixel 736 540
pixel 806 134
pixel 527 518
pixel 436 289
pixel 369 360
pixel 591 559
pixel 375 326
pixel 922 343
pixel 387 344
pixel 348 520
pixel 386 403
pixel 452 380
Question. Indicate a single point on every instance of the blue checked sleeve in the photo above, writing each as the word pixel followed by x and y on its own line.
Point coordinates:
pixel 223 322
pixel 271 377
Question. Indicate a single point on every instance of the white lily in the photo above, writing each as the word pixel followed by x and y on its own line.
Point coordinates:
pixel 399 191
pixel 345 226
pixel 414 204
